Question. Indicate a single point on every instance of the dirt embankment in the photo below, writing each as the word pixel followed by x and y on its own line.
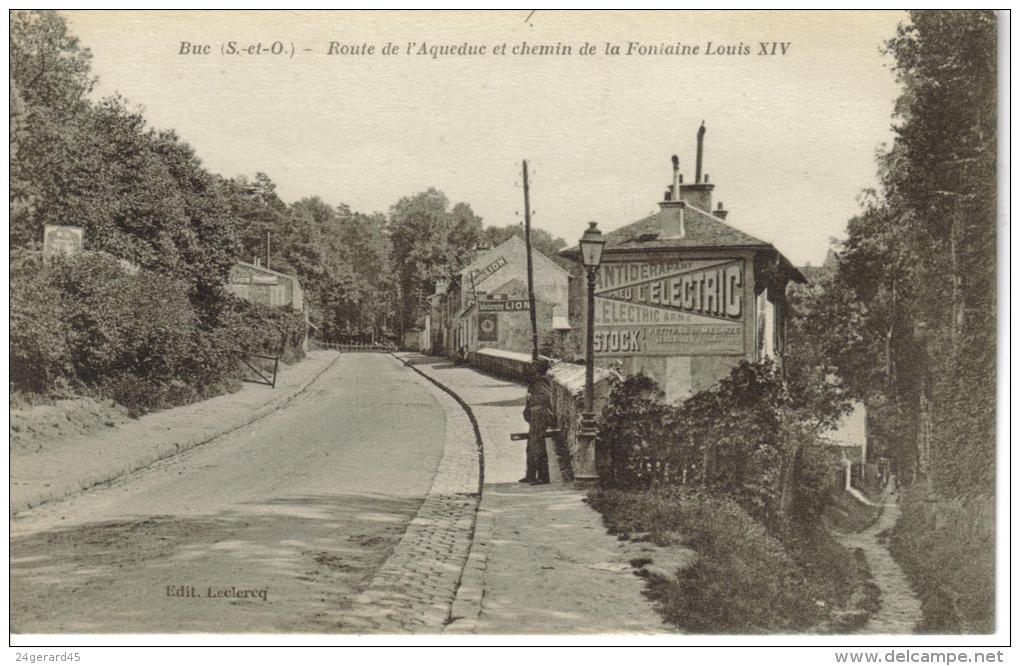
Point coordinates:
pixel 41 426
pixel 66 446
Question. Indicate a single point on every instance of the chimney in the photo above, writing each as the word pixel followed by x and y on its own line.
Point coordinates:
pixel 672 215
pixel 701 151
pixel 672 221
pixel 676 179
pixel 721 212
pixel 671 197
pixel 699 193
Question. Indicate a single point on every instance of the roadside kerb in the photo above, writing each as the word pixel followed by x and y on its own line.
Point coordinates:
pixel 467 604
pixel 417 589
pixel 79 485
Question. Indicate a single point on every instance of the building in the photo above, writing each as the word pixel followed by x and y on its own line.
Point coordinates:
pixel 683 297
pixel 485 305
pixel 259 284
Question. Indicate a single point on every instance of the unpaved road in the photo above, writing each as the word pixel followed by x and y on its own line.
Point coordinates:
pixel 299 508
pixel 900 609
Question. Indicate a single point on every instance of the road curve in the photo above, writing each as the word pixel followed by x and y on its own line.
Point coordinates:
pixel 273 528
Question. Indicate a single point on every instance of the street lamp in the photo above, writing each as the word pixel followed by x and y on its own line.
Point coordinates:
pixel 592 244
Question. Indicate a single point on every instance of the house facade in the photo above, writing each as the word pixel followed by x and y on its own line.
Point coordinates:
pixel 485 305
pixel 683 297
pixel 259 284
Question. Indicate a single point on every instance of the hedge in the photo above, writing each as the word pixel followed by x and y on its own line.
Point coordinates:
pixel 91 323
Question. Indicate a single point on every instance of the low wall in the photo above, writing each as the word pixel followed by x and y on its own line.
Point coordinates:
pixel 568 404
pixel 577 461
pixel 506 364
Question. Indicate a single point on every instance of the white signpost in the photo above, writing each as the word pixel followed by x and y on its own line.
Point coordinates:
pixel 64 240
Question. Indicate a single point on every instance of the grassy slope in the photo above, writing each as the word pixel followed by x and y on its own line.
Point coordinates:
pixel 947 549
pixel 745 580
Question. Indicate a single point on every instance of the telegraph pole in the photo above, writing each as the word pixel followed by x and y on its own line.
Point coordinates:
pixel 531 276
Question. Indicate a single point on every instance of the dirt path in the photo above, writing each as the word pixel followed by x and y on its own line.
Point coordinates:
pixel 900 609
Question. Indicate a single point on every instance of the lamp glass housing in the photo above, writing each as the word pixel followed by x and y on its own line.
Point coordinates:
pixel 592 244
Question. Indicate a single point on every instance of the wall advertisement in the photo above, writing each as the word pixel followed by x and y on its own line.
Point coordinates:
pixel 488 328
pixel 670 308
pixel 504 305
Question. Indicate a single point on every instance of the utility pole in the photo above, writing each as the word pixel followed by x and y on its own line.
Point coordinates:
pixel 268 234
pixel 531 275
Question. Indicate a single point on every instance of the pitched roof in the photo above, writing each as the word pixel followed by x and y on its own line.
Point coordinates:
pixel 263 269
pixel 702 230
pixel 487 257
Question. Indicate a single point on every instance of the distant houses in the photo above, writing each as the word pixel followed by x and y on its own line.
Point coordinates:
pixel 485 304
pixel 681 296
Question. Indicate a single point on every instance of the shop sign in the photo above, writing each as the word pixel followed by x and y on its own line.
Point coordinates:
pixel 481 274
pixel 507 305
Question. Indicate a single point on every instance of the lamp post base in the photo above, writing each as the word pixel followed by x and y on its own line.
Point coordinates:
pixel 589 473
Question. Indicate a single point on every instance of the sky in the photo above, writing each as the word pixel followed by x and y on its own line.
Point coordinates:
pixel 790 139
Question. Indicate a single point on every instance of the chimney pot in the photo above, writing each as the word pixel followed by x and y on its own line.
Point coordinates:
pixel 677 179
pixel 706 177
pixel 701 151
pixel 721 212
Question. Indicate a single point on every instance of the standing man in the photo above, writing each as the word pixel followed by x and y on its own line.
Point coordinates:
pixel 538 412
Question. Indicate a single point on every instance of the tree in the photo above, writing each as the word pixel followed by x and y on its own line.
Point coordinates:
pixel 908 319
pixel 541 239
pixel 429 243
pixel 52 70
pixel 50 78
pixel 941 178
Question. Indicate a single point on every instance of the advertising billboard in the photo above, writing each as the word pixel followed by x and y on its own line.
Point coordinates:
pixel 670 308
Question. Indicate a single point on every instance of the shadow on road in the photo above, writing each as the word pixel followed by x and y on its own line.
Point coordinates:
pixel 161 573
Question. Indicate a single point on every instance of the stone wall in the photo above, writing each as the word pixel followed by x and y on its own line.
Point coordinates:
pixel 514 366
pixel 568 403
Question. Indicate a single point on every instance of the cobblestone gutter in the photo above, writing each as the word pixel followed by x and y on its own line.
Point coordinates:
pixel 415 590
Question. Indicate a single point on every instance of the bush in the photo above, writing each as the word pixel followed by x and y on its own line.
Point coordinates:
pixel 947 548
pixel 731 438
pixel 89 322
pixel 39 354
pixel 259 329
pixel 123 323
pixel 743 580
pixel 816 475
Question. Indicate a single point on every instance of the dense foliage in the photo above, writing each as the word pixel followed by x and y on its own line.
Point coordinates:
pixel 904 317
pixel 743 578
pixel 739 439
pixel 93 323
